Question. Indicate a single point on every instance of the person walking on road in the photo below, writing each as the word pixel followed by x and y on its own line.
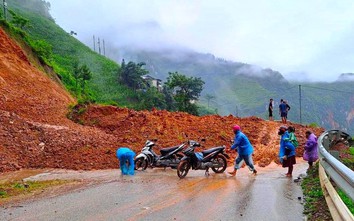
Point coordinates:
pixel 283 111
pixel 244 149
pixel 310 154
pixel 270 109
pixel 286 151
pixel 126 160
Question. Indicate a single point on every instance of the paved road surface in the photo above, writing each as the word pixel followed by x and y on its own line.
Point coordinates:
pixel 160 195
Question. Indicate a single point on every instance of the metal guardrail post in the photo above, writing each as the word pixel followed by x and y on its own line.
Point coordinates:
pixel 337 171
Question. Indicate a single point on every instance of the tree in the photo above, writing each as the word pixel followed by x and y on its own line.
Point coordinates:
pixel 152 98
pixel 82 74
pixel 209 97
pixel 18 20
pixel 169 100
pixel 186 91
pixel 86 75
pixel 76 74
pixel 130 75
pixel 41 7
pixel 121 74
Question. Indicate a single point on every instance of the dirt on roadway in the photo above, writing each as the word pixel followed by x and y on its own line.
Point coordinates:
pixel 158 194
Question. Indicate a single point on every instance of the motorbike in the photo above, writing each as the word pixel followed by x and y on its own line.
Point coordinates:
pixel 169 157
pixel 214 158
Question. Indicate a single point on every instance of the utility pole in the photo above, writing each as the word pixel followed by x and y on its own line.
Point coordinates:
pixel 94 43
pixel 5 9
pixel 104 48
pixel 300 102
pixel 99 46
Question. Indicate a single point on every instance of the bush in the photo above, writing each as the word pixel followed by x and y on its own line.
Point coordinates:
pixel 347 201
pixel 313 125
pixel 315 204
pixel 3 194
pixel 43 50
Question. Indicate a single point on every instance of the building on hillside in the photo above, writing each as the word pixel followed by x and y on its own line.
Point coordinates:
pixel 152 82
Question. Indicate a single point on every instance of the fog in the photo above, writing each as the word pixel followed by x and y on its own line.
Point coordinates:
pixel 311 40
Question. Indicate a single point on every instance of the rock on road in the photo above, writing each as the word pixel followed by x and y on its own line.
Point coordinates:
pixel 158 194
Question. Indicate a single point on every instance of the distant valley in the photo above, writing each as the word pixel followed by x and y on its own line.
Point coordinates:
pixel 244 90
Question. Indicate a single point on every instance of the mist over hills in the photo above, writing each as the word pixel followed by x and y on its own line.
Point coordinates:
pixel 346 77
pixel 244 89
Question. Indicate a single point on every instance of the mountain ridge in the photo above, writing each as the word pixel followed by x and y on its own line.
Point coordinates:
pixel 245 89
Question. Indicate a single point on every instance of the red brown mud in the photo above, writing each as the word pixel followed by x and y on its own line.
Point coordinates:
pixel 35 132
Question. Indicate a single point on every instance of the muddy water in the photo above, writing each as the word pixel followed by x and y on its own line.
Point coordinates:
pixel 18 175
pixel 160 195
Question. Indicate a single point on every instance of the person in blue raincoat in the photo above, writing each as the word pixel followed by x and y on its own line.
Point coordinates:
pixel 244 148
pixel 286 151
pixel 126 160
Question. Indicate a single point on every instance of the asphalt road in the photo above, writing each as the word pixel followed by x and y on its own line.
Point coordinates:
pixel 160 195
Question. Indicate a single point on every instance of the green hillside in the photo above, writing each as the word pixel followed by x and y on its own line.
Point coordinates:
pixel 87 75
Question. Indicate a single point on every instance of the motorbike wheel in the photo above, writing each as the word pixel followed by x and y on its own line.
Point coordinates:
pixel 222 163
pixel 183 168
pixel 140 163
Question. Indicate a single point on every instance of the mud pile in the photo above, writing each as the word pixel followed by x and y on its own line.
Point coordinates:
pixel 131 128
pixel 35 132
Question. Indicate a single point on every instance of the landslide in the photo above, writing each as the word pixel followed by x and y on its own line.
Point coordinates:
pixel 35 132
pixel 132 128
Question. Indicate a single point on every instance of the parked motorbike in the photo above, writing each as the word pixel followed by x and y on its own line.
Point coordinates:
pixel 169 157
pixel 214 158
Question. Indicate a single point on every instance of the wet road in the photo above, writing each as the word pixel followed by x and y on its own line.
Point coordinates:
pixel 160 195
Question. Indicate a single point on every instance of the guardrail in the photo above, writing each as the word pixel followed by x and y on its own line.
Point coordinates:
pixel 337 171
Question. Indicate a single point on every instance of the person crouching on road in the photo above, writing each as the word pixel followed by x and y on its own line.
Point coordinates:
pixel 126 160
pixel 244 148
pixel 286 151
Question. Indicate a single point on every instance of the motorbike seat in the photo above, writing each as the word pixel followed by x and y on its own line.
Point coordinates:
pixel 208 151
pixel 165 151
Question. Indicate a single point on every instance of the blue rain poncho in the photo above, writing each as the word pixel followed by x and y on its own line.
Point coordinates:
pixel 126 160
pixel 242 144
pixel 286 147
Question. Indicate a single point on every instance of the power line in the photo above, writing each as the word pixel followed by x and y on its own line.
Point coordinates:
pixel 291 87
pixel 326 89
pixel 286 89
pixel 319 88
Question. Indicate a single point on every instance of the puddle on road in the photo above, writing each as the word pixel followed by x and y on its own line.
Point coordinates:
pixel 19 175
pixel 273 171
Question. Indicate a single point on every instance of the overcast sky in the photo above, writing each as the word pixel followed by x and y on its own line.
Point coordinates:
pixel 314 38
